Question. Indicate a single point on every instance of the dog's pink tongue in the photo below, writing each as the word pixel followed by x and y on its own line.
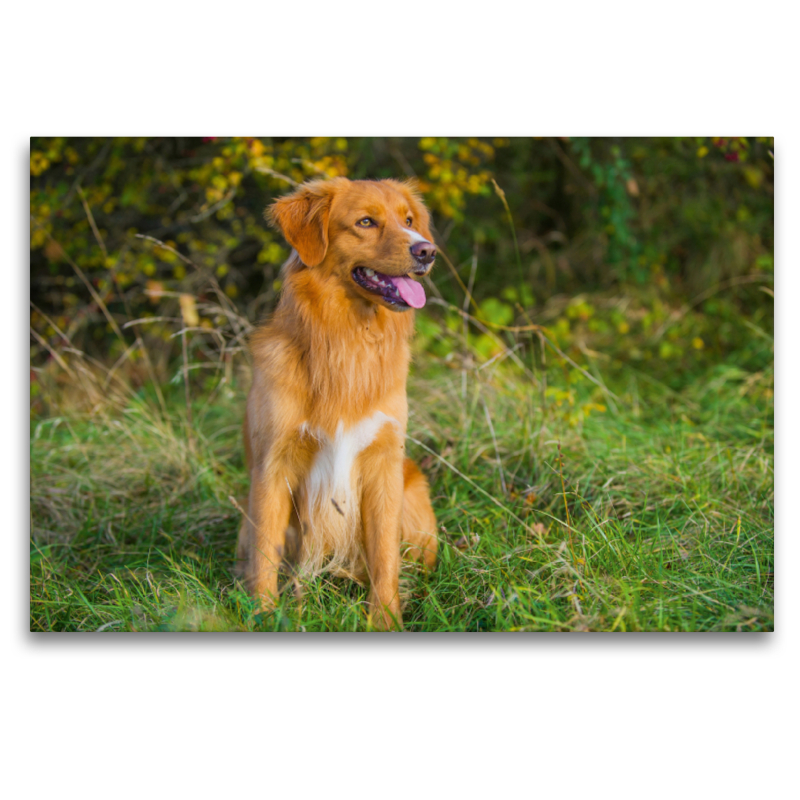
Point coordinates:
pixel 411 292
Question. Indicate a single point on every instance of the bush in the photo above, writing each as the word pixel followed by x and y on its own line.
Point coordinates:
pixel 171 231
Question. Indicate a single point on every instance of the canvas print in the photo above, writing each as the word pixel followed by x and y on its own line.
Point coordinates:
pixel 431 384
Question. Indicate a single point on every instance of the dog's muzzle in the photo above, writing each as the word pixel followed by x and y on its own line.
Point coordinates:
pixel 424 252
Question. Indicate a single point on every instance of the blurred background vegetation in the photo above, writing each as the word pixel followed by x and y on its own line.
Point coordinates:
pixel 655 252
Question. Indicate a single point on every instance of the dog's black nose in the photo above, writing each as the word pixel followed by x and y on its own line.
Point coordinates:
pixel 424 252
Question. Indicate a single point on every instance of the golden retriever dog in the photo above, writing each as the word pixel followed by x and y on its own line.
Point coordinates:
pixel 324 432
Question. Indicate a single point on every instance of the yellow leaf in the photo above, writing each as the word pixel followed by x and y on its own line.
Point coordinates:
pixel 39 162
pixel 154 290
pixel 753 176
pixel 189 311
pixel 53 250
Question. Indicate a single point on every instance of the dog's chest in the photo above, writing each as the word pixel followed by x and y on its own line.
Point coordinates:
pixel 330 483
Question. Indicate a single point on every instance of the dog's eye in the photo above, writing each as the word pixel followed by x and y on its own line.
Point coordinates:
pixel 365 223
pixel 409 221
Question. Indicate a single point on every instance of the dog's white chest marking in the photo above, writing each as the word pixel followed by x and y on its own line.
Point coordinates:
pixel 329 482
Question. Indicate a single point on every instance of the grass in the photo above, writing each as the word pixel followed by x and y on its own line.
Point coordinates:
pixel 562 506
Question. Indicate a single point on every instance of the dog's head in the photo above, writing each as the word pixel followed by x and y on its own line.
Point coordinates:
pixel 372 235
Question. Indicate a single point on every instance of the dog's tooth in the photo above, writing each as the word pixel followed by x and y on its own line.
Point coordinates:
pixel 369 272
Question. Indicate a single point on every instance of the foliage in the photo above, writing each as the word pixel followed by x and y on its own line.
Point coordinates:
pixel 661 220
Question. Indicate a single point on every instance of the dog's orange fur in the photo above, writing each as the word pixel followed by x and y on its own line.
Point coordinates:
pixel 334 357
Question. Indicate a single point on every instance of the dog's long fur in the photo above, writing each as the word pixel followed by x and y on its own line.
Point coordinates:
pixel 326 415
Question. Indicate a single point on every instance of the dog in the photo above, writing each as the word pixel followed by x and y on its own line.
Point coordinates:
pixel 330 486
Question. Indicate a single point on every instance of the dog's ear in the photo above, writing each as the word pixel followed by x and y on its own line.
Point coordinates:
pixel 302 217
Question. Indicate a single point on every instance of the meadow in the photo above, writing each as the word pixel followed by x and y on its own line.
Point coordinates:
pixel 600 452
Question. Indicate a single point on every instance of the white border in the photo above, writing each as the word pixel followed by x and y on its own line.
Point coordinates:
pixel 653 715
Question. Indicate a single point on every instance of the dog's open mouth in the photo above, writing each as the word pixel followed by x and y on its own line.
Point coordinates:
pixel 399 291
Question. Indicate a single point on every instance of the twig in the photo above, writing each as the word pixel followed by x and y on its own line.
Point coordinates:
pixel 505 354
pixel 77 182
pixel 111 321
pixel 51 323
pixel 190 429
pixel 398 156
pixel 449 263
pixel 95 231
pixel 539 329
pixel 268 171
pixel 147 320
pixel 482 490
pixel 63 364
pixel 502 195
pixel 566 509
pixel 481 327
pixel 567 162
pixel 216 207
pixel 236 505
pixel 731 282
pixel 79 272
pixel 496 449
pixel 118 363
pixel 580 369
pixel 223 298
pixel 465 324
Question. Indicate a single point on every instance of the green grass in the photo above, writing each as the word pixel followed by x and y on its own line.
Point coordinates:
pixel 652 513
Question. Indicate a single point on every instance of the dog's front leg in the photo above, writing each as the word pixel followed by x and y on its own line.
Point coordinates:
pixel 270 508
pixel 381 509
